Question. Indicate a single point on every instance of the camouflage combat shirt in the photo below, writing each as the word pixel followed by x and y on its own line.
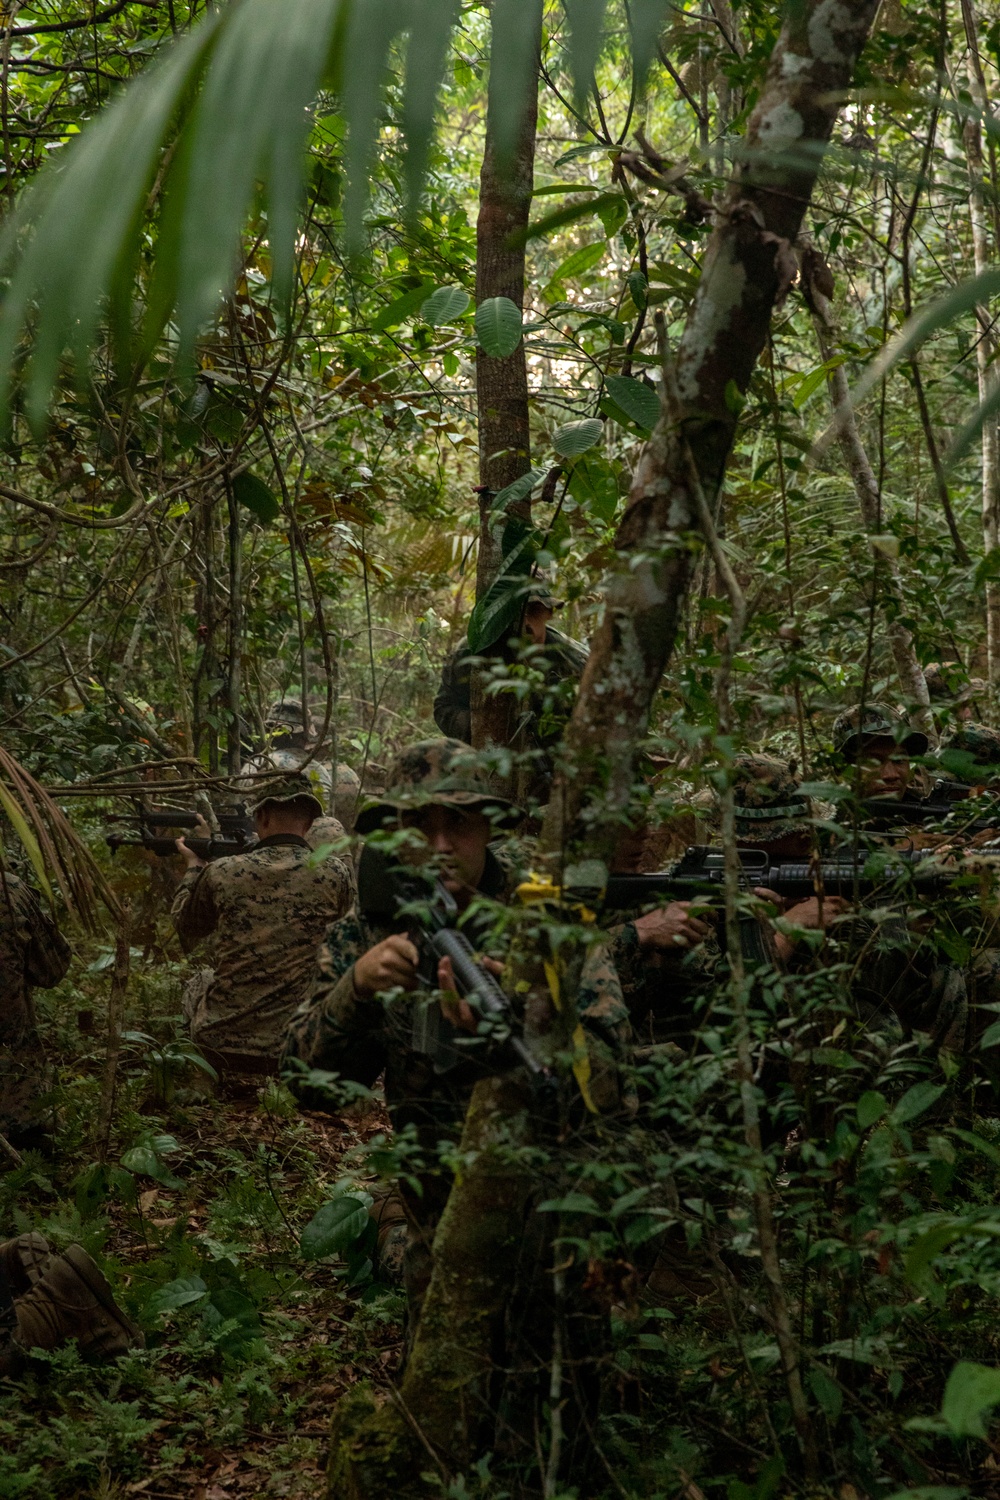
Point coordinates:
pixel 266 911
pixel 32 952
pixel 565 660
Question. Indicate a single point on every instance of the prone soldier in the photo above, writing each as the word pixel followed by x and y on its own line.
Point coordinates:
pixel 266 911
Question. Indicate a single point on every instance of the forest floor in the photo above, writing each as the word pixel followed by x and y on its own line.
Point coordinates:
pixel 195 1216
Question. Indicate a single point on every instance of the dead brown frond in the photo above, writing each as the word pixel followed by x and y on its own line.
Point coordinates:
pixel 57 854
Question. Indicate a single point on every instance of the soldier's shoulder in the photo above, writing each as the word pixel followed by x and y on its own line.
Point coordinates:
pixel 571 650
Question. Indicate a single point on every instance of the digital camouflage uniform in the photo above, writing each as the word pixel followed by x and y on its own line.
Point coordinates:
pixel 265 912
pixel 897 970
pixel 294 738
pixel 33 952
pixel 565 660
pixel 664 990
pixel 875 721
pixel 337 1030
pixel 982 744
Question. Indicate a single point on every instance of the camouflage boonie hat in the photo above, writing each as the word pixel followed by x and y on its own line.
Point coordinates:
pixel 442 773
pixel 768 801
pixel 876 721
pixel 288 713
pixel 979 741
pixel 285 789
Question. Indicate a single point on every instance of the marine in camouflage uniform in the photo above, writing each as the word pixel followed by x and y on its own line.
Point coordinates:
pixel 666 982
pixel 359 1036
pixel 33 953
pixel 979 744
pixel 290 740
pixel 897 966
pixel 544 716
pixel 265 912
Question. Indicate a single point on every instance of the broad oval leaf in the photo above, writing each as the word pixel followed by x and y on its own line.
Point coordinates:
pixel 576 437
pixel 870 1108
pixel 257 496
pixel 971 1392
pixel 916 1101
pixel 582 260
pixel 175 1294
pixel 335 1227
pixel 445 305
pixel 498 326
pixel 636 399
pixel 404 307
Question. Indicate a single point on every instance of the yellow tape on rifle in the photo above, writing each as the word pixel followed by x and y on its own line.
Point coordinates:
pixel 537 888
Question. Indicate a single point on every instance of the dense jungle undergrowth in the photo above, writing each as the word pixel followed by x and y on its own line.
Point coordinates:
pixel 686 312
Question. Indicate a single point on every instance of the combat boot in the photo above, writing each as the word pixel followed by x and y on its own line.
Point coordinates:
pixel 23 1261
pixel 71 1299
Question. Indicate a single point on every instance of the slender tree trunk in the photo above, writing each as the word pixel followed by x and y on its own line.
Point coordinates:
pixel 234 663
pixel 501 384
pixel 866 488
pixel 985 347
pixel 748 267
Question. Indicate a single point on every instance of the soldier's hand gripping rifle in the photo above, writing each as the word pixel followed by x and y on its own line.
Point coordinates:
pixel 235 832
pixel 397 896
pixel 701 873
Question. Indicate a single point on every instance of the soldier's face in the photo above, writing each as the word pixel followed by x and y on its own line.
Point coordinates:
pixel 885 768
pixel 457 841
pixel 536 619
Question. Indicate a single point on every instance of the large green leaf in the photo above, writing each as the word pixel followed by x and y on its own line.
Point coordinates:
pixel 568 215
pixel 372 27
pixel 636 399
pixel 426 56
pixel 251 124
pixel 498 326
pixel 80 222
pixel 586 19
pixel 576 437
pixel 513 67
pixel 971 1392
pixel 334 1228
pixel 498 611
pixel 445 305
pixel 916 1101
pixel 403 307
pixel 257 496
pixel 647 18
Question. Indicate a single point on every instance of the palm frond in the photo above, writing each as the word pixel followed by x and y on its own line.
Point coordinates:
pixel 55 851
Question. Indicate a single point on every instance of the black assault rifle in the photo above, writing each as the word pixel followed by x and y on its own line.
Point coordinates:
pixel 702 872
pixel 235 832
pixel 397 896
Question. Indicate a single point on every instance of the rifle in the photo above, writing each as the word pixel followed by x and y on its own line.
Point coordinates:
pixel 421 906
pixel 235 832
pixel 945 801
pixel 702 871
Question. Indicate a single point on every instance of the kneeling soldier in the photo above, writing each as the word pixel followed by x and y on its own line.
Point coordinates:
pixel 355 1021
pixel 266 911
